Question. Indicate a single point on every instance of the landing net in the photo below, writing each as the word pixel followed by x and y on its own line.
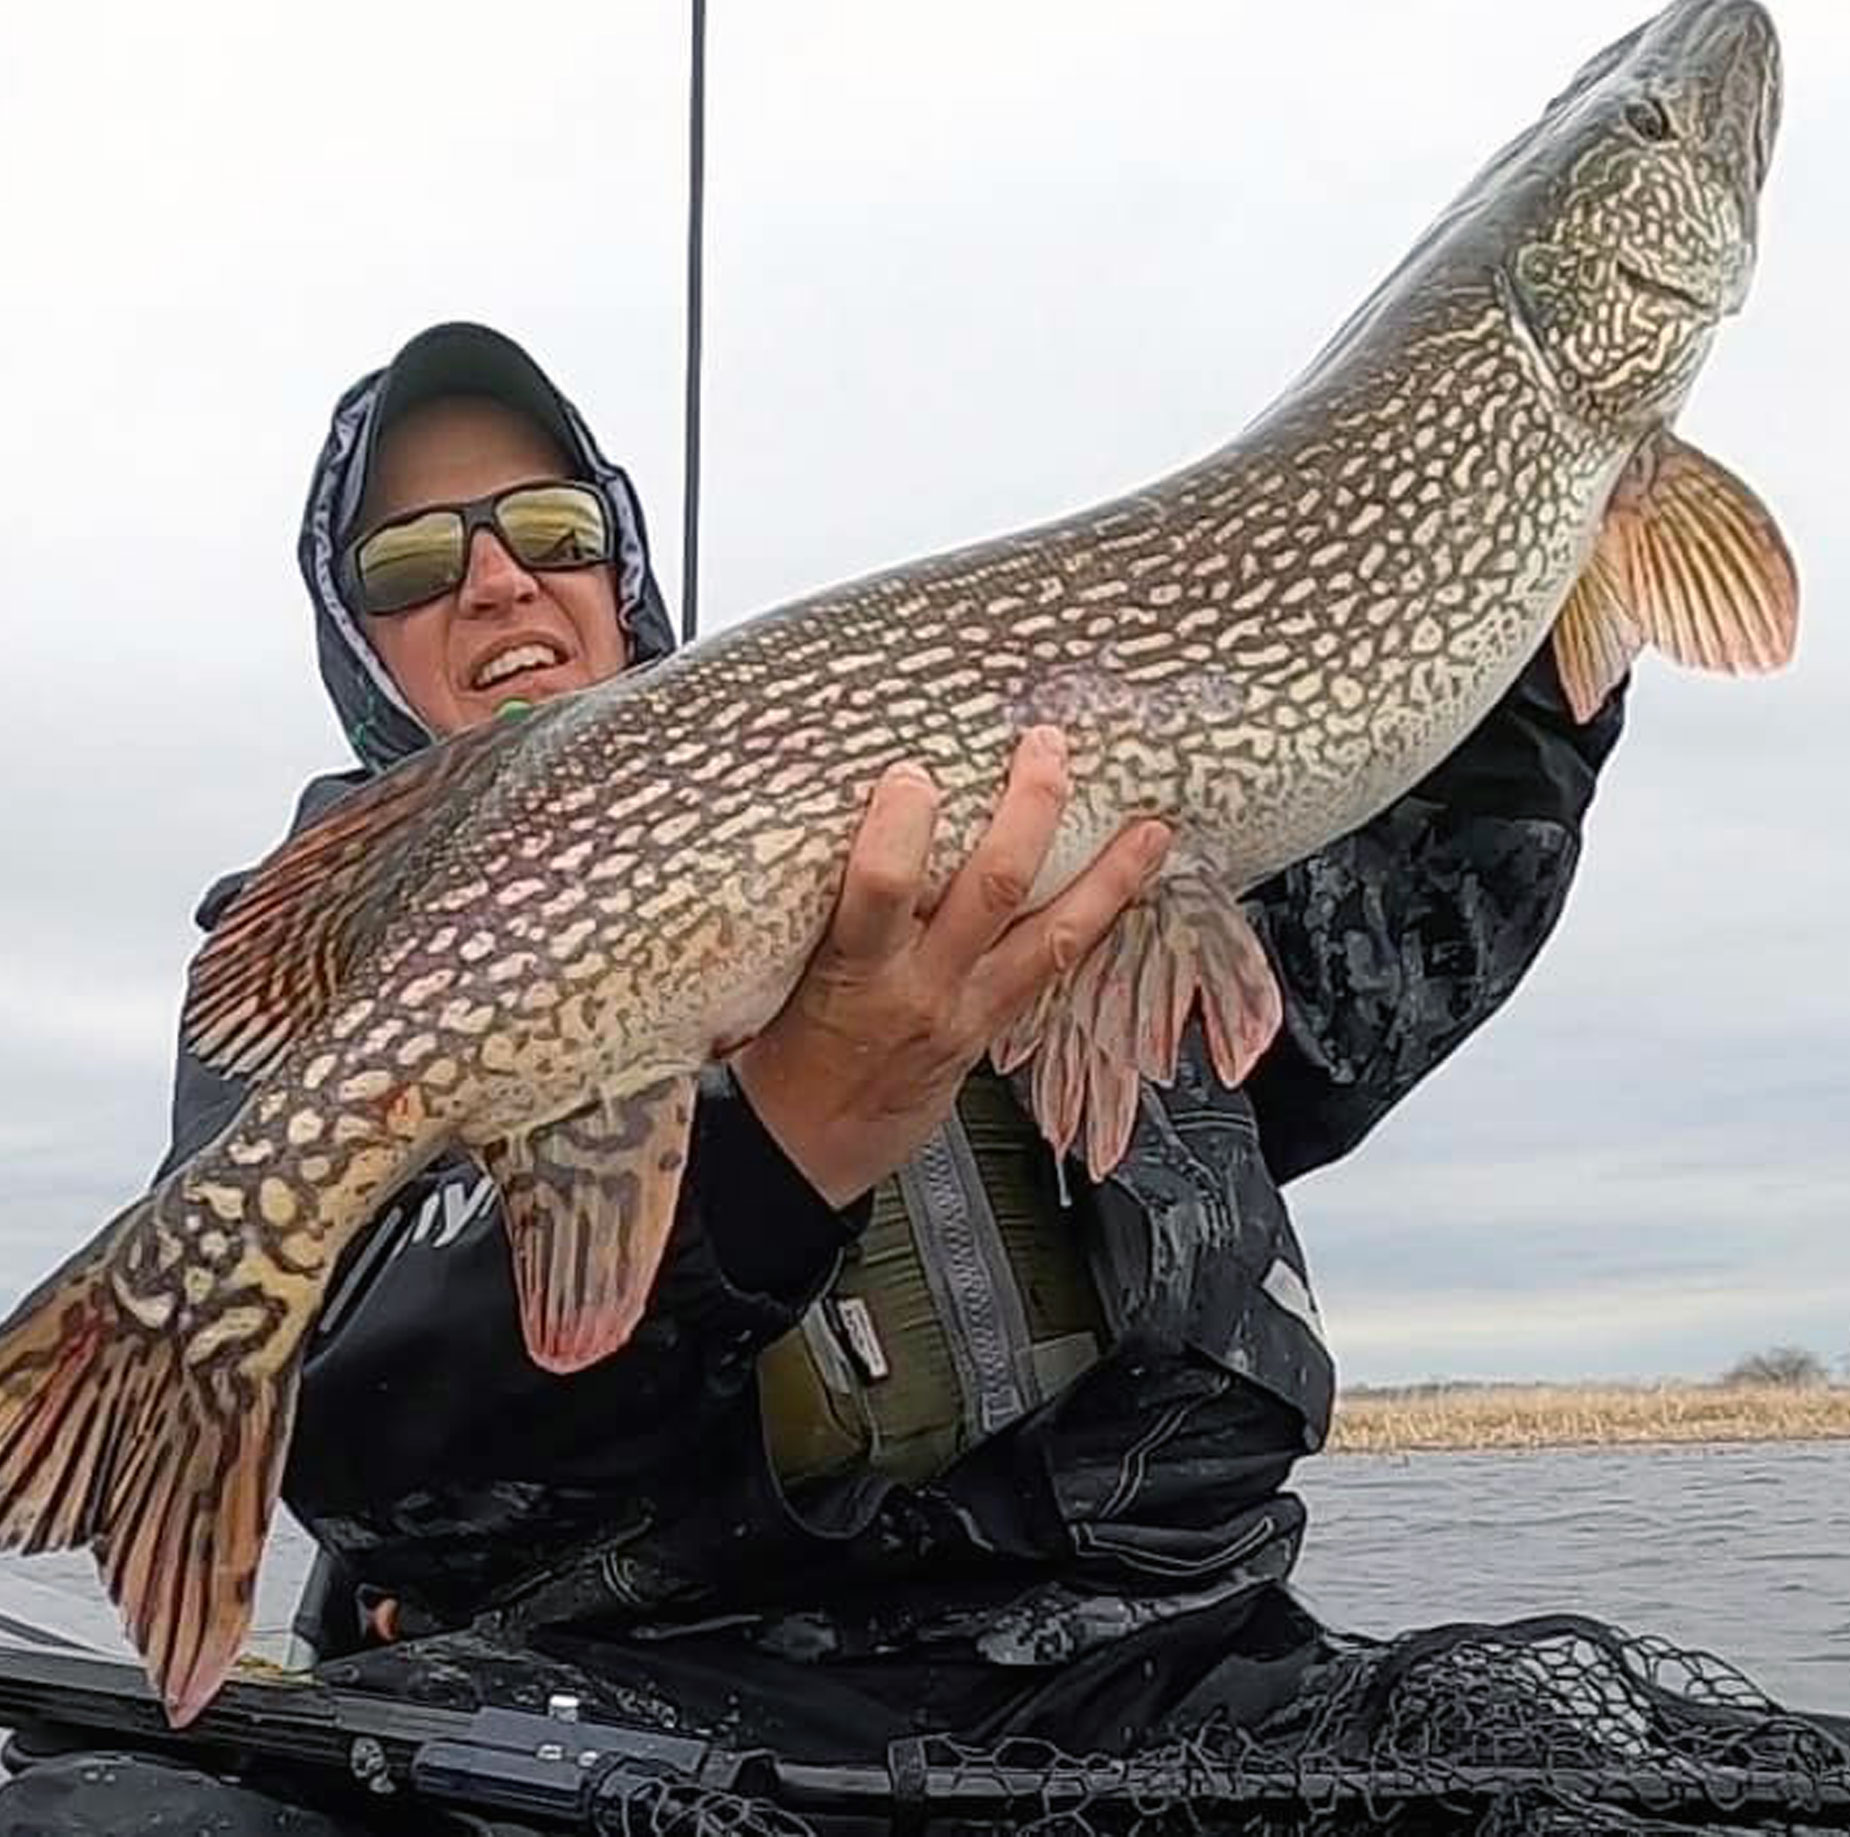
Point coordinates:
pixel 1554 1725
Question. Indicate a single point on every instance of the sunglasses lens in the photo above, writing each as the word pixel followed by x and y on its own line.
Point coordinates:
pixel 411 561
pixel 544 526
pixel 555 526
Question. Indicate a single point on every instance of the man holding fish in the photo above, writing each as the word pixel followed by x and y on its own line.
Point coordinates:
pixel 828 1393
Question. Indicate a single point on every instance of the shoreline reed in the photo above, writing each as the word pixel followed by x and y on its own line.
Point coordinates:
pixel 1509 1416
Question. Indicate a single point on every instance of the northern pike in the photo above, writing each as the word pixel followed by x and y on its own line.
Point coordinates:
pixel 529 940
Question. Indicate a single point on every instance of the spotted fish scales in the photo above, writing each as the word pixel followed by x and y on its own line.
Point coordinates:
pixel 527 941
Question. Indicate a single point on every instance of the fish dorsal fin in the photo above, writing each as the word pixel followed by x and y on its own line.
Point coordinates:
pixel 1690 562
pixel 279 954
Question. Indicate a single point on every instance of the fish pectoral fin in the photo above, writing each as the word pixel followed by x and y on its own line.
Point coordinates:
pixel 1709 578
pixel 1690 562
pixel 280 953
pixel 1595 638
pixel 166 1465
pixel 590 1200
pixel 1118 1016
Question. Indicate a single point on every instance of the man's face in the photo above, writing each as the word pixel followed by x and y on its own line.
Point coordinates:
pixel 447 452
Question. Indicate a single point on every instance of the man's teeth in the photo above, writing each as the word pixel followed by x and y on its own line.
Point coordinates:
pixel 511 663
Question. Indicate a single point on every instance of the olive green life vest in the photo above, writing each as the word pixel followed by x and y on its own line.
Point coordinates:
pixel 968 1300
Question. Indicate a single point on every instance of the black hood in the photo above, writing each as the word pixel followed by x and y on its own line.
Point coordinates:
pixel 453 358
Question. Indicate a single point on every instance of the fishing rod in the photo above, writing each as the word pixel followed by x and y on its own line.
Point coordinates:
pixel 696 198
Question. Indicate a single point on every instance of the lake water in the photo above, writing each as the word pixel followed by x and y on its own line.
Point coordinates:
pixel 1739 1551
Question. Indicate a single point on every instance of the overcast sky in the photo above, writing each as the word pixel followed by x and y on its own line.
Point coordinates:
pixel 969 264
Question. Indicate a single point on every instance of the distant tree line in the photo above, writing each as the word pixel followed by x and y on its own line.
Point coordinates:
pixel 1790 1367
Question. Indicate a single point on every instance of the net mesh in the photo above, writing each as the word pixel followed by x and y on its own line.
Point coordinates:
pixel 1553 1726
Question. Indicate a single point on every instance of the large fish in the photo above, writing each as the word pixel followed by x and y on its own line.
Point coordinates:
pixel 527 941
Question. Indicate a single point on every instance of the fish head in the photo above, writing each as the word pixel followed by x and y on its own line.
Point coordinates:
pixel 1635 234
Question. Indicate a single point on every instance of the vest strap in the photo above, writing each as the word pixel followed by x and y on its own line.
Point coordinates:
pixel 970 1279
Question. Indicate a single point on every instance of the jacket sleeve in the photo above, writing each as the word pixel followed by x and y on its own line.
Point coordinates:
pixel 1398 941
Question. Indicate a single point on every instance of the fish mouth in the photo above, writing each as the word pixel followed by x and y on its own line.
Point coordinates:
pixel 1669 290
pixel 1729 50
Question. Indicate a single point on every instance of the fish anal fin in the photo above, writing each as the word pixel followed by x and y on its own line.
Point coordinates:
pixel 1118 1016
pixel 1703 569
pixel 166 1466
pixel 277 957
pixel 590 1200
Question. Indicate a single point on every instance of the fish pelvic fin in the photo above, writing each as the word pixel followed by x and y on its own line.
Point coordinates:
pixel 1689 562
pixel 159 1451
pixel 590 1201
pixel 1119 1015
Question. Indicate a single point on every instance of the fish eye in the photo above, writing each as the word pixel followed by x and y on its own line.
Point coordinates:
pixel 1648 119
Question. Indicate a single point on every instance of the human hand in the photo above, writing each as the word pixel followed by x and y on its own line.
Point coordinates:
pixel 865 1059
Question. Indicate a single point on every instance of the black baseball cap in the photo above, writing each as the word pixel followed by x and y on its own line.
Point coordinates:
pixel 462 358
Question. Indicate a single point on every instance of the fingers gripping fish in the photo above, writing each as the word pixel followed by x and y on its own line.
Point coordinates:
pixel 527 941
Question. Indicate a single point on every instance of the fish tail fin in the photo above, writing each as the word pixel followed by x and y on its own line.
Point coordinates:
pixel 116 1433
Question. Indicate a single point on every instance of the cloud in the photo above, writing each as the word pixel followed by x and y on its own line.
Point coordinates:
pixel 1656 1326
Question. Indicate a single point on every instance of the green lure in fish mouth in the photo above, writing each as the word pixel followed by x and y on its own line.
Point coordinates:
pixel 527 942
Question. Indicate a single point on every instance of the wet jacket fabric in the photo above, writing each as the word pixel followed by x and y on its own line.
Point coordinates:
pixel 634 1505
